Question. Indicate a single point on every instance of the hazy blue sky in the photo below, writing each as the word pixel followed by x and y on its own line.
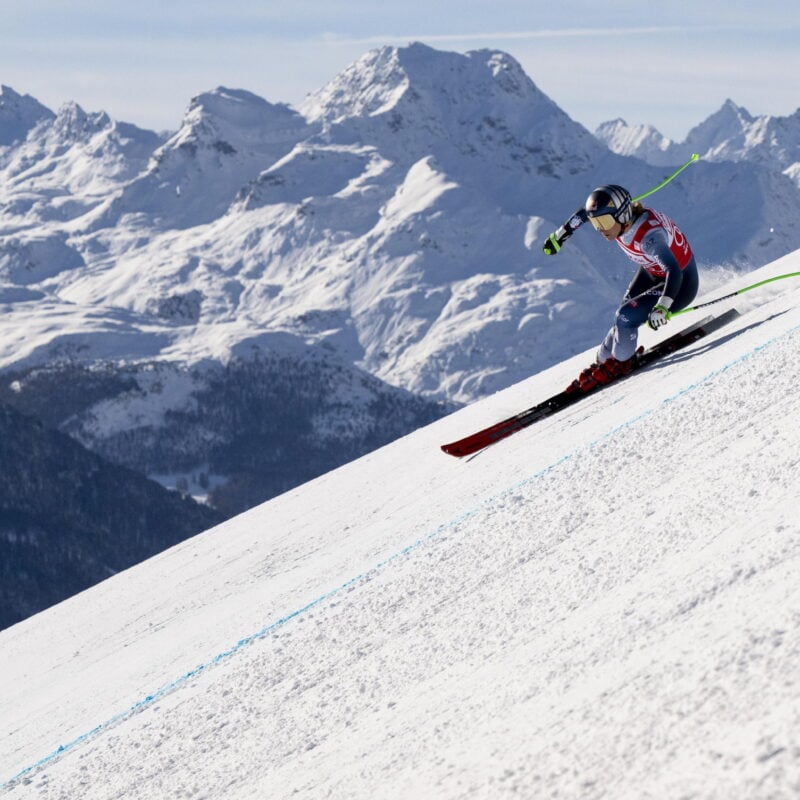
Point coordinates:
pixel 668 63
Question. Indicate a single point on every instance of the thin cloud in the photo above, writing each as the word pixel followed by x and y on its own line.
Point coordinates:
pixel 545 33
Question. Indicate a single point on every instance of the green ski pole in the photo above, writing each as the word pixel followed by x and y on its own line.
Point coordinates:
pixel 695 157
pixel 556 239
pixel 672 314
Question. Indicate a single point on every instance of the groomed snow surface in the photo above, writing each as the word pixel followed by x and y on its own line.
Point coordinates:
pixel 606 604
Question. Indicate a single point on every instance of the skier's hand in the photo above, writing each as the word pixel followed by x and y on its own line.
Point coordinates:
pixel 555 241
pixel 551 245
pixel 658 316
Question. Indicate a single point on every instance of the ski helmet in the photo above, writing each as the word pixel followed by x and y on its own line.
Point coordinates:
pixel 613 201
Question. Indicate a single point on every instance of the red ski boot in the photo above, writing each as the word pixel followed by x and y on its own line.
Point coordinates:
pixel 597 374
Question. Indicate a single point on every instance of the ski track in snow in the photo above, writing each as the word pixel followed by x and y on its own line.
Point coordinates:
pixel 621 623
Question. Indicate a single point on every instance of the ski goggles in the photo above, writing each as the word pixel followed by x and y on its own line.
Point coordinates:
pixel 602 220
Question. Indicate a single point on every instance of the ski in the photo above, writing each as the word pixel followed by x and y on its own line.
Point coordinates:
pixel 494 433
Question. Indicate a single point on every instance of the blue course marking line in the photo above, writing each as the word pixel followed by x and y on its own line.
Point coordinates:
pixel 483 505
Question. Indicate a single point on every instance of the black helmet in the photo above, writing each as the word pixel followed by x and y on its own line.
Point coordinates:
pixel 613 200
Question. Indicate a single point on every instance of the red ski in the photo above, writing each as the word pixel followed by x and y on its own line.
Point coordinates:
pixel 494 433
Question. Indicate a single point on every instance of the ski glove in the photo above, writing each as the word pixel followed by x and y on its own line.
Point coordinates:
pixel 658 316
pixel 557 238
pixel 554 241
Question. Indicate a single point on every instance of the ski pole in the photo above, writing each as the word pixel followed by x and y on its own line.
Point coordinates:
pixel 695 157
pixel 556 239
pixel 732 294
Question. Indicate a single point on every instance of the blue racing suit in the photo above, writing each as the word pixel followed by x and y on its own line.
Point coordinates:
pixel 667 275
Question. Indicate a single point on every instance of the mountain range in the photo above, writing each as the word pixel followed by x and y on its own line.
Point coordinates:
pixel 267 292
pixel 730 134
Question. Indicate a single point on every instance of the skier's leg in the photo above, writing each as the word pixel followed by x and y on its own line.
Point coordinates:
pixel 620 342
pixel 688 289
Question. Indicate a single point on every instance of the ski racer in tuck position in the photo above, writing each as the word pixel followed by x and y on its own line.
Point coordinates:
pixel 666 279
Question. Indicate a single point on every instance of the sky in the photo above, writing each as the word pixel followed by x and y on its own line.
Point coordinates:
pixel 670 64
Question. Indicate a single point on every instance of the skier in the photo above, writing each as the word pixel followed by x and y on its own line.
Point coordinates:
pixel 666 279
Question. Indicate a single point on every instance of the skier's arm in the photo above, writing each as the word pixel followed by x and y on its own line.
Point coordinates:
pixel 641 282
pixel 554 241
pixel 656 245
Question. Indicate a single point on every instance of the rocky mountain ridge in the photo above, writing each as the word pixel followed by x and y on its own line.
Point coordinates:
pixel 730 134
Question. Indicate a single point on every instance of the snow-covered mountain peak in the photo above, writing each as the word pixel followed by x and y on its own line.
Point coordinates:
pixel 485 70
pixel 729 115
pixel 72 123
pixel 736 111
pixel 69 162
pixel 470 110
pixel 8 97
pixel 226 139
pixel 641 140
pixel 727 123
pixel 96 131
pixel 417 76
pixel 18 115
pixel 238 115
pixel 367 87
pixel 509 75
pixel 731 133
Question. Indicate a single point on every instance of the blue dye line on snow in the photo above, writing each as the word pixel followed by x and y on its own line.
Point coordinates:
pixel 485 504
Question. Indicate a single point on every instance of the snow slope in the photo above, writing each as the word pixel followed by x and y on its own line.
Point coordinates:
pixel 604 605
